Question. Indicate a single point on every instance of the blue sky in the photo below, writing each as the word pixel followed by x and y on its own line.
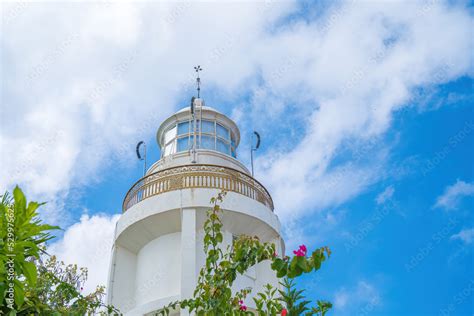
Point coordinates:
pixel 365 111
pixel 409 253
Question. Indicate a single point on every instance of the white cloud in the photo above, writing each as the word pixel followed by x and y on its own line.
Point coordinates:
pixel 82 89
pixel 341 299
pixel 360 299
pixel 385 195
pixel 352 85
pixel 453 194
pixel 88 243
pixel 465 235
pixel 101 76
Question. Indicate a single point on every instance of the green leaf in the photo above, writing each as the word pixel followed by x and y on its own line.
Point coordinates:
pixel 282 272
pixel 317 259
pixel 19 197
pixel 302 264
pixel 19 294
pixel 29 270
pixel 278 264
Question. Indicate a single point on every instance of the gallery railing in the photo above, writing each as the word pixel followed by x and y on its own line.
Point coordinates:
pixel 196 176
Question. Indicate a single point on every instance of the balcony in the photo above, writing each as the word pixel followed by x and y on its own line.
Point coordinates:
pixel 196 176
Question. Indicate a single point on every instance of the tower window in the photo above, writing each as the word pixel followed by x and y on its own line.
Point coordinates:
pixel 223 147
pixel 207 142
pixel 213 136
pixel 208 127
pixel 183 128
pixel 184 143
pixel 222 132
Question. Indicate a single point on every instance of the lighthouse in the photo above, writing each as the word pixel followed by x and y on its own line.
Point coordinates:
pixel 158 243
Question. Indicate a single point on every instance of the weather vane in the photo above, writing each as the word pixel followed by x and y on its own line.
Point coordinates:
pixel 198 80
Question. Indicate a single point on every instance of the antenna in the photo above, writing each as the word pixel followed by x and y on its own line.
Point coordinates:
pixel 252 149
pixel 140 157
pixel 198 80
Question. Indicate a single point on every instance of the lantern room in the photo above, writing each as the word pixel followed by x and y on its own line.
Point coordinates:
pixel 198 128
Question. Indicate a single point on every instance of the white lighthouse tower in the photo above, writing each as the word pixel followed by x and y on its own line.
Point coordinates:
pixel 158 247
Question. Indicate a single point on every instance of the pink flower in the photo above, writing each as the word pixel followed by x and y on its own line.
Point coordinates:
pixel 242 306
pixel 301 252
pixel 284 312
pixel 275 254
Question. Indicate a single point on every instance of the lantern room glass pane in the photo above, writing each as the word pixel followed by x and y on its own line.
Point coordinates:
pixel 208 127
pixel 184 143
pixel 207 142
pixel 183 128
pixel 222 132
pixel 223 147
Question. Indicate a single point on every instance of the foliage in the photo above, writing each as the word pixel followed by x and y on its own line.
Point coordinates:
pixel 213 294
pixel 30 285
pixel 267 303
pixel 58 291
pixel 21 236
pixel 295 303
pixel 292 298
pixel 322 309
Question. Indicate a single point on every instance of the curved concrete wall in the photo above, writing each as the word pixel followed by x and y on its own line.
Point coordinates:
pixel 158 248
pixel 158 269
pixel 194 198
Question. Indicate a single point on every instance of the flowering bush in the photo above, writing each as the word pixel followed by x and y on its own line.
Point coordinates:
pixel 31 281
pixel 213 294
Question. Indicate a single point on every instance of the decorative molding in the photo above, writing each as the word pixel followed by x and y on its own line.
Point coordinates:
pixel 196 176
